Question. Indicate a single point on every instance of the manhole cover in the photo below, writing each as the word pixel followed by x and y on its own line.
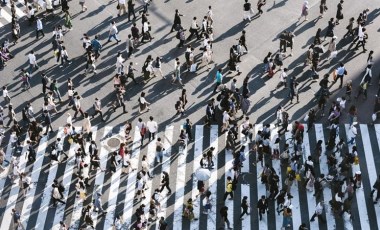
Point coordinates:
pixel 113 142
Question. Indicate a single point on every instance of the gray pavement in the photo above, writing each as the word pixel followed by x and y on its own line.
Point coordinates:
pixel 262 37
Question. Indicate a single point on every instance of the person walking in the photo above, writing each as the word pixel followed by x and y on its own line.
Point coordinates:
pixel 48 122
pixel 177 21
pixel 353 134
pixel 113 32
pixel 77 107
pixel 159 150
pixel 131 10
pixel 17 219
pixel 130 73
pixel 376 188
pixel 229 189
pixel 143 104
pixel 152 128
pixel 224 216
pixel 194 29
pixel 322 8
pixel 177 74
pixel 98 204
pixel 165 183
pixel 97 109
pixel 244 206
pixel 340 72
pixel 247 8
pixel 130 46
pixel 121 6
pixel 304 11
pixel 262 206
pixel 188 127
pixel 260 4
pixel 39 29
pixel 318 212
pixel 56 196
pixel 142 127
pixel 32 62
pixel 218 79
pixel 54 88
pixel 339 13
pixel 362 36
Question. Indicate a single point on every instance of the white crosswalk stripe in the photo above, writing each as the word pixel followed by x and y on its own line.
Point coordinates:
pixel 6 12
pixel 180 177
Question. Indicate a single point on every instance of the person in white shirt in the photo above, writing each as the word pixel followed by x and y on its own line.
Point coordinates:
pixel 122 7
pixel 194 29
pixel 98 109
pixel 32 62
pixel 39 28
pixel 152 128
pixel 6 96
pixel 210 15
pixel 283 76
pixel 368 75
pixel 64 57
pixel 318 212
pixel 353 133
pixel 119 63
pixel 113 32
pixel 86 127
pixel 226 121
pixel 77 107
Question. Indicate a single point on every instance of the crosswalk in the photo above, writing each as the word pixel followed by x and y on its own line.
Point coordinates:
pixel 6 13
pixel 118 189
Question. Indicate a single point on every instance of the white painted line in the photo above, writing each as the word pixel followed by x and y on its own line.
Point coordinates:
pixel 28 202
pixel 168 142
pixel 263 224
pixel 296 217
pixel 99 177
pixel 359 193
pixel 112 196
pixel 370 161
pixel 229 172
pixel 245 188
pixel 198 150
pixel 6 16
pixel 276 165
pixel 212 182
pixel 311 202
pixel 15 189
pixel 180 188
pixel 323 166
pixel 78 202
pixel 128 205
pixel 68 174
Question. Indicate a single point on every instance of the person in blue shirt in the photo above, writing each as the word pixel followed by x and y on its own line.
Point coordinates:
pixel 218 79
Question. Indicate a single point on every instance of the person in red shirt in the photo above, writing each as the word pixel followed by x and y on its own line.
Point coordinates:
pixel 298 130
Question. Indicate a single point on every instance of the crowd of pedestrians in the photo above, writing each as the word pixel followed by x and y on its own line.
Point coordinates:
pixel 230 101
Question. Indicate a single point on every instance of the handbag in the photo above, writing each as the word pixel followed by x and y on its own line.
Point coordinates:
pixel 118 6
pixel 70 140
pixel 298 177
pixel 306 118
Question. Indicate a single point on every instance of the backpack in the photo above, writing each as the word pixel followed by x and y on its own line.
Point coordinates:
pixel 178 35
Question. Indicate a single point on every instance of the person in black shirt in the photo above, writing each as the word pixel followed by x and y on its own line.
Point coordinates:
pixel 177 21
pixel 244 206
pixel 131 10
pixel 47 122
pixel 262 206
pixel 243 41
pixel 247 10
pixel 165 183
pixel 224 214
pixel 163 225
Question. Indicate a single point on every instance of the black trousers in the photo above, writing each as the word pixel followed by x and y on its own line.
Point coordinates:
pixel 40 32
pixel 245 211
pixel 96 112
pixel 228 193
pixel 320 217
pixel 151 135
pixel 131 12
pixel 167 186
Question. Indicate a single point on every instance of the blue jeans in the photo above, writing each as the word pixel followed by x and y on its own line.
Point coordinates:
pixel 113 36
pixel 159 156
pixel 352 140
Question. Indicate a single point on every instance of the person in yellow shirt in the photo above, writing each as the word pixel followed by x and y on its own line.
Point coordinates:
pixel 229 189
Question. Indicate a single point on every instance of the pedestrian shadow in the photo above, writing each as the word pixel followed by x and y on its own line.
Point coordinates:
pixel 278 5
pixel 306 26
pixel 233 31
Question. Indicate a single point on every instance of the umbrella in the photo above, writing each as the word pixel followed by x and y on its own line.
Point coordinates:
pixel 203 174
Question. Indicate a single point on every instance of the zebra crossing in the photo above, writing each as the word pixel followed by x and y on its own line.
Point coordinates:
pixel 118 189
pixel 6 13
